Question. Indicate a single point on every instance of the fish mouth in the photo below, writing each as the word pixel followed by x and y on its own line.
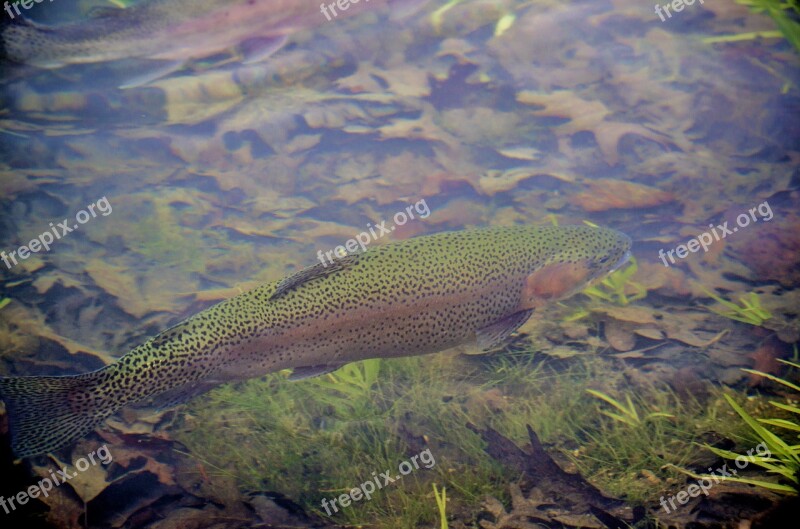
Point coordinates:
pixel 622 260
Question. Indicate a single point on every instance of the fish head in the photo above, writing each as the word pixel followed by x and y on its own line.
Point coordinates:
pixel 571 259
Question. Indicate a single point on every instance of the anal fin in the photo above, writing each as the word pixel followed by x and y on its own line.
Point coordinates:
pixel 176 396
pixel 302 372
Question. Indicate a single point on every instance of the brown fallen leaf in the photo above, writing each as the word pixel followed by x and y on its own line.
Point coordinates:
pixel 459 212
pixel 689 338
pixel 421 128
pixel 406 80
pixel 136 295
pixel 302 142
pixel 334 115
pixel 494 181
pixel 66 510
pixel 17 182
pixel 399 177
pixel 630 314
pixel 619 335
pixel 130 458
pixel 457 48
pixel 29 323
pixel 652 334
pixel 521 153
pixel 46 281
pixel 362 80
pixel 89 483
pixel 765 359
pixel 606 193
pixel 653 275
pixel 192 99
pixel 586 115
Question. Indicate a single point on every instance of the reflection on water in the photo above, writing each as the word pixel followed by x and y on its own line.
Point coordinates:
pixel 224 175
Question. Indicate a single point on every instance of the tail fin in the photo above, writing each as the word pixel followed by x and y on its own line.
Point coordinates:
pixel 48 413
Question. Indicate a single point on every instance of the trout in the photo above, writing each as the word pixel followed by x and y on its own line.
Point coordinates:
pixel 175 31
pixel 413 297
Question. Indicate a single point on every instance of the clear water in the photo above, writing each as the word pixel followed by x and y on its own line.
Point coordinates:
pixel 214 180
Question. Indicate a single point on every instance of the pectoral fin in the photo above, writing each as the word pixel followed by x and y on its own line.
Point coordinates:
pixel 153 72
pixel 257 49
pixel 300 373
pixel 497 332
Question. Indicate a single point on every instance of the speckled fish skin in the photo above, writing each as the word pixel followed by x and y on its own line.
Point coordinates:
pixel 412 297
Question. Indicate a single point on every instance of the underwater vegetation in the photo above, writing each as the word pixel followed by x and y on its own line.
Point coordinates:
pixel 750 311
pixel 782 460
pixel 317 438
pixel 785 13
pixel 311 439
pixel 619 286
pixel 441 503
pixel 630 454
pixel 627 412
pixel 349 388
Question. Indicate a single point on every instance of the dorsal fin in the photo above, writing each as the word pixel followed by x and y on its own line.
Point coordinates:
pixel 313 272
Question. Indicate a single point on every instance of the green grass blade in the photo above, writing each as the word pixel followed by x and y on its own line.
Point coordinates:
pixel 608 399
pixel 787 407
pixel 773 378
pixel 775 443
pixel 743 36
pixel 782 423
pixel 787 362
pixel 777 487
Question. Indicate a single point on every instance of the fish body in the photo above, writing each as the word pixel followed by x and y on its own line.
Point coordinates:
pixel 413 297
pixel 173 30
